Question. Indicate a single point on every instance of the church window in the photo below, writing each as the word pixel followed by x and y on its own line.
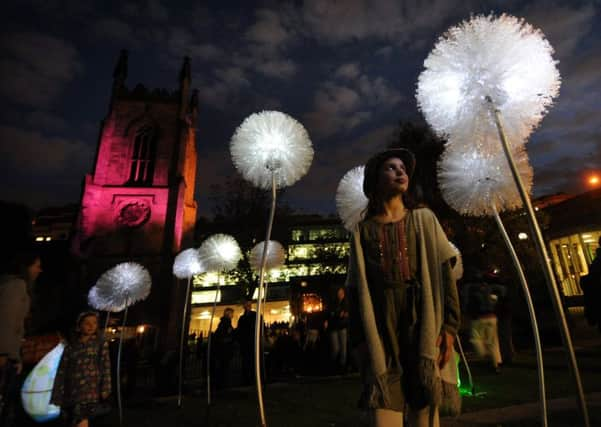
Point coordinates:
pixel 142 159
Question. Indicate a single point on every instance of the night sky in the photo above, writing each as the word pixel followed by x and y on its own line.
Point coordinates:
pixel 347 70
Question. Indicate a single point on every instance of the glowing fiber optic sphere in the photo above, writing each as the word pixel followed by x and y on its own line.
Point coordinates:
pixel 220 252
pixel 275 257
pixel 472 181
pixel 271 142
pixel 350 199
pixel 500 57
pixel 187 264
pixel 123 285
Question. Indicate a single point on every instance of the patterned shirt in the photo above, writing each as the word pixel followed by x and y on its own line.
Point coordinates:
pixel 83 375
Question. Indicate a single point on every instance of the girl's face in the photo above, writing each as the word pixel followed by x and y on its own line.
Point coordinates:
pixel 392 177
pixel 88 325
pixel 34 270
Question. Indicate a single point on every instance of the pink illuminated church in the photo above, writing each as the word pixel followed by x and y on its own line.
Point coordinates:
pixel 138 202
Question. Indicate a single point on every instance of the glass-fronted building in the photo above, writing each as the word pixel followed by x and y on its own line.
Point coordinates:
pixel 572 237
pixel 315 248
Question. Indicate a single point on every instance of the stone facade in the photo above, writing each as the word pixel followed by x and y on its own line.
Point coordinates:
pixel 138 203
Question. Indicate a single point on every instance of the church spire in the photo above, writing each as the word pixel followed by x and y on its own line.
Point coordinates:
pixel 184 74
pixel 185 80
pixel 120 73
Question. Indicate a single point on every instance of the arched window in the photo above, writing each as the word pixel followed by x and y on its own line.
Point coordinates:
pixel 142 158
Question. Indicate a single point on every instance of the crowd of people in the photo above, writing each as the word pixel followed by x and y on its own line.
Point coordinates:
pixel 315 345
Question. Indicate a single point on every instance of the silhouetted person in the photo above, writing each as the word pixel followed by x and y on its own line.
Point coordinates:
pixel 22 271
pixel 245 334
pixel 337 326
pixel 483 297
pixel 223 349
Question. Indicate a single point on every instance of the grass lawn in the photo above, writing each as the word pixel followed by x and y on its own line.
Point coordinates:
pixel 331 401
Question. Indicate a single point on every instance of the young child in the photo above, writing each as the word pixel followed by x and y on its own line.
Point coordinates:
pixel 83 379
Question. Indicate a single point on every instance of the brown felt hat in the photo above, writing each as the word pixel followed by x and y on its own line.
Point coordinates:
pixel 372 166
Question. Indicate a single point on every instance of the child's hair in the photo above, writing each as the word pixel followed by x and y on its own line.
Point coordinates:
pixel 82 316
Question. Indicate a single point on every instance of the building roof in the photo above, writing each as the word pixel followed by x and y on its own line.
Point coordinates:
pixel 576 214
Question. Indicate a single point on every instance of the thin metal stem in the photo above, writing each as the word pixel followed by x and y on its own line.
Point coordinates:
pixel 209 341
pixel 181 346
pixel 106 323
pixel 544 259
pixel 119 401
pixel 535 331
pixel 258 322
pixel 467 366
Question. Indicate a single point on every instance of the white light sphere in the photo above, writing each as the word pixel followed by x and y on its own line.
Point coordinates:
pixel 471 181
pixel 220 252
pixel 271 141
pixel 351 202
pixel 458 267
pixel 501 57
pixel 99 302
pixel 123 285
pixel 187 264
pixel 276 255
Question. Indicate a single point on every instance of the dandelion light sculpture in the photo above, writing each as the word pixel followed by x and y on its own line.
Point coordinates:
pixel 271 150
pixel 472 182
pixel 481 184
pixel 220 253
pixel 123 285
pixel 502 58
pixel 458 267
pixel 275 257
pixel 99 301
pixel 119 288
pixel 351 202
pixel 495 76
pixel 271 143
pixel 186 264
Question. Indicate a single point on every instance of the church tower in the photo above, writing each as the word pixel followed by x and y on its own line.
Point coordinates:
pixel 138 203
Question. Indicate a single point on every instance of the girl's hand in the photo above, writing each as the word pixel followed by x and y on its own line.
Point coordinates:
pixel 445 342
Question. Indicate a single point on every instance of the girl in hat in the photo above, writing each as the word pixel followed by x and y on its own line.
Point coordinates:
pixel 83 379
pixel 404 304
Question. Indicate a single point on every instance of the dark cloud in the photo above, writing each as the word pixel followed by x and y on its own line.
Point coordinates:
pixel 343 105
pixel 42 154
pixel 565 26
pixel 29 75
pixel 347 70
pixel 268 31
pixel 115 30
pixel 46 121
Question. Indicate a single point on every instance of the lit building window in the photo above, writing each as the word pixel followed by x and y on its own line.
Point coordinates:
pixel 312 303
pixel 203 297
